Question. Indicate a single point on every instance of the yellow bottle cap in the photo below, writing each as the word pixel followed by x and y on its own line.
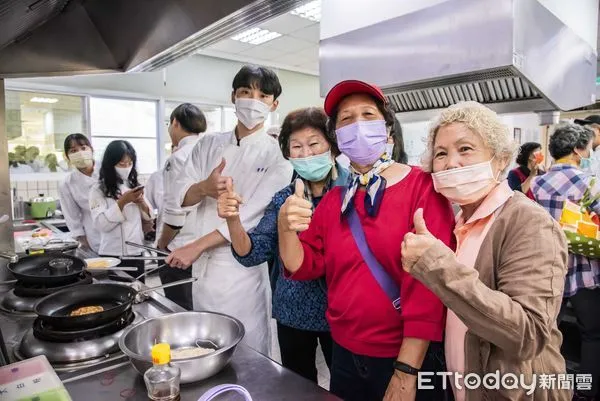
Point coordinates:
pixel 161 354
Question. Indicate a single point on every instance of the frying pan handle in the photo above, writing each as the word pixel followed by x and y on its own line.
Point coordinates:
pixel 148 248
pixel 173 284
pixel 11 257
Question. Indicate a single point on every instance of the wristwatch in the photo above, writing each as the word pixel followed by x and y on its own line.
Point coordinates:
pixel 405 368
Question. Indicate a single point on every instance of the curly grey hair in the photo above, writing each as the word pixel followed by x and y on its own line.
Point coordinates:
pixel 479 119
pixel 567 137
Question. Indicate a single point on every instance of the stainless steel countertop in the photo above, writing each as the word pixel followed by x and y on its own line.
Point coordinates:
pixel 264 379
pixel 115 378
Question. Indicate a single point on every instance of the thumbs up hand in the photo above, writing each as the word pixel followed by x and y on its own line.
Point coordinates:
pixel 416 244
pixel 215 184
pixel 296 212
pixel 228 202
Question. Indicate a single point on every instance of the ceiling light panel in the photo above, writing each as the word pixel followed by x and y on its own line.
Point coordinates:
pixel 310 10
pixel 256 36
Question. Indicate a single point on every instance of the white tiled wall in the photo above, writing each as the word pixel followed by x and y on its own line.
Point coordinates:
pixel 28 189
pixel 31 189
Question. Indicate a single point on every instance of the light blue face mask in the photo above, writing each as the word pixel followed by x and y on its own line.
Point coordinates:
pixel 585 163
pixel 313 168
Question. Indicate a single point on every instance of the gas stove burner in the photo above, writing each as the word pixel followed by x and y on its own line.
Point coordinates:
pixel 45 332
pixel 71 353
pixel 39 290
pixel 13 304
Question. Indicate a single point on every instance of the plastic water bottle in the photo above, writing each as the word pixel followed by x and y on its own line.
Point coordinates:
pixel 162 380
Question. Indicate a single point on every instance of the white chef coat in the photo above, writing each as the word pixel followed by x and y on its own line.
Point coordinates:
pixel 154 189
pixel 171 212
pixel 74 194
pixel 259 170
pixel 115 225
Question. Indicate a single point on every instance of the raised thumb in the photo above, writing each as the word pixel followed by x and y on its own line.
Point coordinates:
pixel 221 166
pixel 229 184
pixel 419 223
pixel 299 188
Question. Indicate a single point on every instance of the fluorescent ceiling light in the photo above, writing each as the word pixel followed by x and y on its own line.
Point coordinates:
pixel 311 11
pixel 43 100
pixel 255 36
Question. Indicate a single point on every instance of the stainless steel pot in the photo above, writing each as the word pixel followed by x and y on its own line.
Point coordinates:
pixel 185 329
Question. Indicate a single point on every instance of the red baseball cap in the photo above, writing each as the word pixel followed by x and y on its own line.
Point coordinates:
pixel 349 87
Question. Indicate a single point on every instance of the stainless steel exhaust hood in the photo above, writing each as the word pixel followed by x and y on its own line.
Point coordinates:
pixel 514 55
pixel 69 37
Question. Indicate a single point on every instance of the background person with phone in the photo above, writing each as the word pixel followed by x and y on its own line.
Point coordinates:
pixel 118 204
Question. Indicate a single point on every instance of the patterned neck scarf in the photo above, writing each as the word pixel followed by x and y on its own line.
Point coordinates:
pixel 373 181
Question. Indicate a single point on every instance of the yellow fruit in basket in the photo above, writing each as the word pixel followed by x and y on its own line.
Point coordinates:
pixel 571 214
pixel 587 229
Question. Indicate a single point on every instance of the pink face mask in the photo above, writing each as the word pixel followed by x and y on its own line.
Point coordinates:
pixel 465 185
pixel 363 141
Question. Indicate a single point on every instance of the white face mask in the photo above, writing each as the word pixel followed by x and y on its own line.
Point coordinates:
pixel 465 185
pixel 82 159
pixel 123 172
pixel 251 112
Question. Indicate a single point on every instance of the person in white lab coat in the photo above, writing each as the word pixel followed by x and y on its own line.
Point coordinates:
pixel 253 160
pixel 118 204
pixel 177 227
pixel 154 189
pixel 154 192
pixel 74 191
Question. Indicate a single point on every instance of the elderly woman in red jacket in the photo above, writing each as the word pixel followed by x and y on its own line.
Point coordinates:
pixel 382 320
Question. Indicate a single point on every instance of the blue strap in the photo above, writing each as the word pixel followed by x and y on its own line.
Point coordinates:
pixel 384 280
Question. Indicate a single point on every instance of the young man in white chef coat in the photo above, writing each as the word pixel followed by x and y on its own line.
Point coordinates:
pixel 253 160
pixel 176 227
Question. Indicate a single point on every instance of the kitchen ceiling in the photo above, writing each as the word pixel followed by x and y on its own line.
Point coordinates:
pixel 297 49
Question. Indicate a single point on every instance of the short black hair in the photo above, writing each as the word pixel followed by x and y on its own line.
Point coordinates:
pixel 525 152
pixel 399 154
pixel 78 139
pixel 263 78
pixel 567 137
pixel 384 108
pixel 190 117
pixel 310 117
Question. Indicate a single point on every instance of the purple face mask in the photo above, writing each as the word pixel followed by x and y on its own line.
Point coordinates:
pixel 363 141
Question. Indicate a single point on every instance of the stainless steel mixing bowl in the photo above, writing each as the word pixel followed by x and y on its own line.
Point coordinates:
pixel 185 329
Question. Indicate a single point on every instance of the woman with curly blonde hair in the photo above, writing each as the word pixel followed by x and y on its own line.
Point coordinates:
pixel 503 286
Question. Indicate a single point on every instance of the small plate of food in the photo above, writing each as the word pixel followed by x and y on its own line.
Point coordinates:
pixel 101 263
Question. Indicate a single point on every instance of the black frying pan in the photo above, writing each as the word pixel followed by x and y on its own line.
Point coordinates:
pixel 115 299
pixel 47 269
pixel 55 309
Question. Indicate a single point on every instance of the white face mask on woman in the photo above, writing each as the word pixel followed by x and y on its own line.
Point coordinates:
pixel 82 159
pixel 466 185
pixel 123 172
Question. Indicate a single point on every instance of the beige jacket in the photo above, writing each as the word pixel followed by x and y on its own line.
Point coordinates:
pixel 510 301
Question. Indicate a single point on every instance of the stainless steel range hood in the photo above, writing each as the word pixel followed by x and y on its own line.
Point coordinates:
pixel 514 55
pixel 68 37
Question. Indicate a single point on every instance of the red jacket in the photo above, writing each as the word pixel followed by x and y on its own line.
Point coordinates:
pixel 361 316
